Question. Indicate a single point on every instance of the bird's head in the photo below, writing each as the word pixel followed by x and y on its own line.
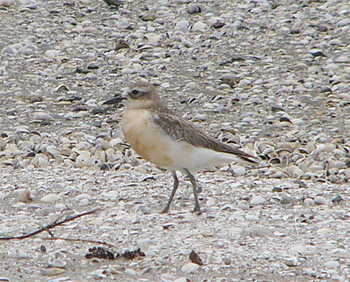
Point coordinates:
pixel 141 95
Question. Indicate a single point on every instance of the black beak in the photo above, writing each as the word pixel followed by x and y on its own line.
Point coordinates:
pixel 117 99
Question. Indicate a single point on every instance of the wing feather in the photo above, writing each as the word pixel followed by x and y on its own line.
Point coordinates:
pixel 180 129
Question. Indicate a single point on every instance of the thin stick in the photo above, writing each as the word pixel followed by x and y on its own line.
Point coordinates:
pixel 81 240
pixel 47 227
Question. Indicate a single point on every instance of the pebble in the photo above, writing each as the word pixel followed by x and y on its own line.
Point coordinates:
pixel 257 200
pixel 190 267
pixel 342 59
pixel 51 54
pixel 181 279
pixel 98 274
pixel 61 279
pixel 7 3
pixel 130 272
pixel 25 196
pixel 42 116
pixel 332 264
pixel 59 263
pixel 238 170
pixel 319 200
pixel 182 25
pixel 51 271
pixel 244 205
pixel 343 22
pixel 216 22
pixel 199 26
pixel 194 8
pixel 309 202
pixel 50 198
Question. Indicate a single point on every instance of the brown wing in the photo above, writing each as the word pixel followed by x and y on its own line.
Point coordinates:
pixel 182 130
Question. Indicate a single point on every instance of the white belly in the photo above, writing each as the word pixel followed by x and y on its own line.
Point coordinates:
pixel 151 143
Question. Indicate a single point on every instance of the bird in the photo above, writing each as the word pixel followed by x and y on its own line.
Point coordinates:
pixel 167 140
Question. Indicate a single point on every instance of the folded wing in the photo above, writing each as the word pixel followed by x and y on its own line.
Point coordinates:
pixel 181 130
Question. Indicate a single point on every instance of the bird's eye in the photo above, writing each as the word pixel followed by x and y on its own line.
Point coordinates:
pixel 135 93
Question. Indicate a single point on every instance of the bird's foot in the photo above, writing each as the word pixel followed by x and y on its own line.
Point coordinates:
pixel 197 210
pixel 165 210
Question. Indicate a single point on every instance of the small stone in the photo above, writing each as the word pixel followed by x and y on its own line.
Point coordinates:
pixel 148 16
pixel 7 3
pixel 34 98
pixel 343 22
pixel 190 267
pixel 165 277
pixel 252 217
pixel 98 274
pixel 181 279
pixel 116 269
pixel 310 272
pixel 244 205
pixel 277 189
pixel 332 264
pixel 216 22
pixel 51 54
pixel 44 212
pixel 200 117
pixel 319 200
pixel 309 202
pixel 199 26
pixel 322 28
pixel 3 144
pixel 114 3
pixel 258 231
pixel 291 262
pixel 194 257
pixel 191 85
pixel 194 9
pixel 257 200
pixel 337 199
pixel 57 262
pixel 182 25
pixel 317 53
pixel 39 160
pixel 238 170
pixel 335 42
pixel 130 272
pixel 51 271
pixel 121 44
pixel 42 116
pixel 342 59
pixel 24 196
pixel 50 198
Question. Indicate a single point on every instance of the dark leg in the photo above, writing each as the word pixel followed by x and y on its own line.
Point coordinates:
pixel 197 208
pixel 176 184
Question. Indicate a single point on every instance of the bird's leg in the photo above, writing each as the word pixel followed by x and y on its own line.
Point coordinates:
pixel 176 184
pixel 197 208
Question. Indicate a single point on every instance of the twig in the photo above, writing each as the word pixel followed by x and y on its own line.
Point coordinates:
pixel 81 240
pixel 47 227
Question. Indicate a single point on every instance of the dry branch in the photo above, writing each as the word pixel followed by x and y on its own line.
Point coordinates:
pixel 82 240
pixel 48 227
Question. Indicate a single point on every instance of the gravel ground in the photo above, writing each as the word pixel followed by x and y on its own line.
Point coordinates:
pixel 271 77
